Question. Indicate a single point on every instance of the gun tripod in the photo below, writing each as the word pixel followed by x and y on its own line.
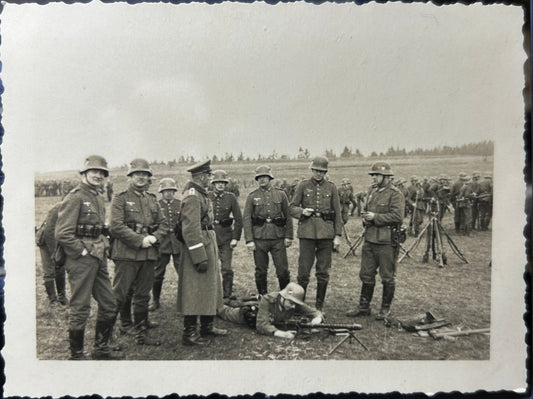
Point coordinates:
pixel 434 233
pixel 359 240
pixel 349 335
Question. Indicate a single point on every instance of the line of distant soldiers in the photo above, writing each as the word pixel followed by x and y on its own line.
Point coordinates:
pixel 201 231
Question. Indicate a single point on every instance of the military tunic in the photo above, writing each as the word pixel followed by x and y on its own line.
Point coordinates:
pixel 46 242
pixel 485 203
pixel 134 215
pixel 464 206
pixel 170 245
pixel 379 250
pixel 265 206
pixel 346 197
pixel 416 195
pixel 316 232
pixel 228 226
pixel 80 219
pixel 454 192
pixel 198 293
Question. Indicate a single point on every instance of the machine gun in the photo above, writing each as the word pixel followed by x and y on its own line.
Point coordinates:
pixel 347 330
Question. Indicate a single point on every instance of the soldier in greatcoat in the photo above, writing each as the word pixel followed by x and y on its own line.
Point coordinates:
pixel 382 219
pixel 200 282
pixel 79 230
pixel 317 207
pixel 137 227
pixel 170 246
pixel 268 229
pixel 228 227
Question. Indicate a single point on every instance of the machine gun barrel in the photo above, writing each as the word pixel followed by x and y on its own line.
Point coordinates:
pixel 297 324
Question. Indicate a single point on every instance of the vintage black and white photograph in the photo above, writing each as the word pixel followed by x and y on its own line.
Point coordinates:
pixel 249 197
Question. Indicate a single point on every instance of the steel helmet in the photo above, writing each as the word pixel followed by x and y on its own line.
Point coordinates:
pixel 139 165
pixel 167 183
pixel 319 163
pixel 220 176
pixel 381 168
pixel 263 170
pixel 443 177
pixel 95 162
pixel 293 292
pixel 476 174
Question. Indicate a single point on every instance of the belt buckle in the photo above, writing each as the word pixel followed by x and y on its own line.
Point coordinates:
pixel 318 214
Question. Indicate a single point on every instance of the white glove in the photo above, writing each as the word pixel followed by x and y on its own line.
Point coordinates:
pixel 251 246
pixel 316 320
pixel 308 211
pixel 233 243
pixel 84 252
pixel 285 334
pixel 336 242
pixel 148 241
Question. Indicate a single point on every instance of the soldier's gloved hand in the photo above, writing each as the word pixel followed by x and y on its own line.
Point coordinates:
pixel 316 320
pixel 288 242
pixel 308 211
pixel 368 216
pixel 285 334
pixel 251 246
pixel 233 243
pixel 201 267
pixel 336 242
pixel 84 252
pixel 148 241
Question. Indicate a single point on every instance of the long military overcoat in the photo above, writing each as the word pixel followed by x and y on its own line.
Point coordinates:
pixel 198 293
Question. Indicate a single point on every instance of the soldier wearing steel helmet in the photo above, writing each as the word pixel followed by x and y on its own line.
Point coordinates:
pixel 170 246
pixel 464 205
pixel 346 198
pixel 475 192
pixel 454 192
pixel 228 227
pixel 485 201
pixel 138 226
pixel 382 218
pixel 416 196
pixel 79 230
pixel 200 282
pixel 317 207
pixel 268 229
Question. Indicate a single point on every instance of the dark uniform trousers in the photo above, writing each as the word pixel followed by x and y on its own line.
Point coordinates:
pixel 225 254
pixel 279 256
pixel 309 250
pixel 50 270
pixel 374 256
pixel 161 265
pixel 138 274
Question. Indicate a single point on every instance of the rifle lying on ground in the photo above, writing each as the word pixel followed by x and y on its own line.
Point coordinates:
pixel 334 329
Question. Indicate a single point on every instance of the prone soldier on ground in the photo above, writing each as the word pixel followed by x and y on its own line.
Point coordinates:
pixel 228 227
pixel 316 206
pixel 79 231
pixel 268 229
pixel 170 246
pixel 382 218
pixel 273 311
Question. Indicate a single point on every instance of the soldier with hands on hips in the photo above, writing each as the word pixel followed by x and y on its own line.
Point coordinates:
pixel 79 231
pixel 170 246
pixel 200 282
pixel 382 218
pixel 317 207
pixel 268 229
pixel 228 227
pixel 137 227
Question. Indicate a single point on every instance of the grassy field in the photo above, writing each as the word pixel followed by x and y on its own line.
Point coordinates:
pixel 459 292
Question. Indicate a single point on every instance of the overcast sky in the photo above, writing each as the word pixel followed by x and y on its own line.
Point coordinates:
pixel 161 80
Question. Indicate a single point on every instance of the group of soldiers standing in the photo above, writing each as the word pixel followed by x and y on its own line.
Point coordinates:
pixel 200 232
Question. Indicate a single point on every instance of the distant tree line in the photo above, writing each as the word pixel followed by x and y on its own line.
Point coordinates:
pixel 482 148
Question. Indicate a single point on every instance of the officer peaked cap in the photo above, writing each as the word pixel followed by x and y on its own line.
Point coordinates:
pixel 200 167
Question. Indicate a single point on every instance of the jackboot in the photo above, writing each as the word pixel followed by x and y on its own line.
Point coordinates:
pixel 141 330
pixel 261 285
pixel 321 289
pixel 60 285
pixel 227 287
pixel 367 291
pixel 102 334
pixel 388 295
pixel 191 337
pixel 283 281
pixel 207 327
pixel 75 338
pixel 50 291
pixel 156 295
pixel 126 323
